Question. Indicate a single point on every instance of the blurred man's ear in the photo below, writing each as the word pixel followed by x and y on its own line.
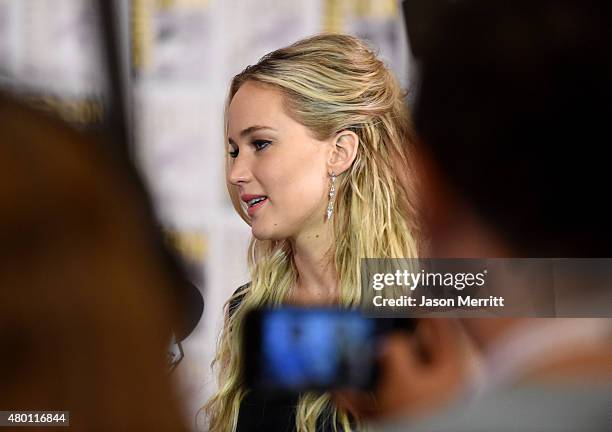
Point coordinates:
pixel 451 226
pixel 436 200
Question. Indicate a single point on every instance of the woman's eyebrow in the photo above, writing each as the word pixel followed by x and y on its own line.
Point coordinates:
pixel 250 130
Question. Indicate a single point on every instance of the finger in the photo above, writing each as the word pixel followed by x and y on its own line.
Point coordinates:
pixel 360 404
pixel 399 355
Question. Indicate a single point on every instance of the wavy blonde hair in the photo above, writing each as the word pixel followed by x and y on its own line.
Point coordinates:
pixel 330 83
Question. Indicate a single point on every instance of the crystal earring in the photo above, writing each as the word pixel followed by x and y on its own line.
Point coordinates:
pixel 332 194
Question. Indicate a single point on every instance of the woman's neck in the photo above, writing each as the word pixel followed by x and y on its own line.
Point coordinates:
pixel 317 281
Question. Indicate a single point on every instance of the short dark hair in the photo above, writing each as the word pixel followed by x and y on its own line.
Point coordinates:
pixel 515 107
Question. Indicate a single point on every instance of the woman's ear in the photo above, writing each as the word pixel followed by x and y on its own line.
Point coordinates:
pixel 343 152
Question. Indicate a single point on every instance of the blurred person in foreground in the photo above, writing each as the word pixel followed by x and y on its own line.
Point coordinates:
pixel 86 304
pixel 513 118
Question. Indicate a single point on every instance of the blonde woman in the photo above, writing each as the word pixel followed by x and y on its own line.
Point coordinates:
pixel 318 141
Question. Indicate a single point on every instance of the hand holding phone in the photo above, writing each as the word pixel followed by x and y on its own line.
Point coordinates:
pixel 293 350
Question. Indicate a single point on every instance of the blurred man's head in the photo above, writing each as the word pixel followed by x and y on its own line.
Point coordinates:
pixel 86 301
pixel 513 115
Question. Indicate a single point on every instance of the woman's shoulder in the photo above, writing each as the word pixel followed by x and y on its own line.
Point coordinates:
pixel 237 297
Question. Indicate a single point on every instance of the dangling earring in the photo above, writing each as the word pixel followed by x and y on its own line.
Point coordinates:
pixel 332 194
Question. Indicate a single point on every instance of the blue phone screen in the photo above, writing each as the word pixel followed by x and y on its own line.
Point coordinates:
pixel 316 348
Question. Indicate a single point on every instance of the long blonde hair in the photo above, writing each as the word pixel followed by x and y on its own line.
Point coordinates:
pixel 330 83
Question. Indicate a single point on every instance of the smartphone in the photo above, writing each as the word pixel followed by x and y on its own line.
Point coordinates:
pixel 294 350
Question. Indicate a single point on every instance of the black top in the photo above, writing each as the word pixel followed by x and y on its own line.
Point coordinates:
pixel 260 412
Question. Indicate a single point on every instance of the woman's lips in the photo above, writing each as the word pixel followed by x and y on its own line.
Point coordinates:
pixel 252 209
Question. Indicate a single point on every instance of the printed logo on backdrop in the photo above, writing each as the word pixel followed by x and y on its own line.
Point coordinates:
pixel 52 57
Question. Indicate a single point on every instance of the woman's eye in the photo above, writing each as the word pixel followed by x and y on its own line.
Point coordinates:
pixel 261 144
pixel 233 153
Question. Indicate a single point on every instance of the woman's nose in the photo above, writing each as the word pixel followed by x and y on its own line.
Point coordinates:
pixel 240 171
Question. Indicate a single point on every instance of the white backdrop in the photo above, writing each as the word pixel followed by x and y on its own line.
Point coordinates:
pixel 183 55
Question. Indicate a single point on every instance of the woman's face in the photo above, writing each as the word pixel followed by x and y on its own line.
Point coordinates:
pixel 277 166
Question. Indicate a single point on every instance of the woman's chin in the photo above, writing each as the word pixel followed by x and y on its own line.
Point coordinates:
pixel 260 234
pixel 267 234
